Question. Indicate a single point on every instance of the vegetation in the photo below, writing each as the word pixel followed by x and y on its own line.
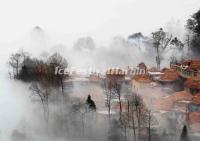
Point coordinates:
pixel 193 33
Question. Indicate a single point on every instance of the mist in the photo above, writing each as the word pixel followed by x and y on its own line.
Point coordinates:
pixel 24 116
pixel 91 44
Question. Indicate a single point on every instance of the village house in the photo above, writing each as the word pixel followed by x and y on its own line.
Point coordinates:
pixel 189 72
pixel 188 69
pixel 171 79
pixel 184 104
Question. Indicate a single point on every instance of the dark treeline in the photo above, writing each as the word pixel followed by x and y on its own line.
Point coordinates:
pixel 193 33
pixel 30 69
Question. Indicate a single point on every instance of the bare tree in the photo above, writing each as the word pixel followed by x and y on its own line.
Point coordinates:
pixel 133 116
pixel 161 41
pixel 115 131
pixel 43 94
pixel 14 62
pixel 117 91
pixel 24 55
pixel 151 124
pixel 56 60
pixel 80 109
pixel 138 38
pixel 109 95
pixel 137 114
pixel 108 99
pixel 132 105
pixel 125 123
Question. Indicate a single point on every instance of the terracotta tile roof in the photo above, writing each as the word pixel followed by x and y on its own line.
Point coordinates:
pixel 142 78
pixel 169 75
pixel 167 102
pixel 190 83
pixel 193 64
pixel 183 95
pixel 194 67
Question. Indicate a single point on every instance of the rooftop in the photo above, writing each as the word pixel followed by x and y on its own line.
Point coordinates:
pixel 192 64
pixel 166 103
pixel 169 75
pixel 190 83
pixel 142 78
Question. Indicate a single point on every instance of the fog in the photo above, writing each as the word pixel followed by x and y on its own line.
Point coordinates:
pixel 21 117
pixel 90 41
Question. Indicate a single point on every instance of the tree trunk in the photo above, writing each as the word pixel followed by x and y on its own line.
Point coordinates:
pixel 133 124
pixel 149 126
pixel 120 107
pixel 158 57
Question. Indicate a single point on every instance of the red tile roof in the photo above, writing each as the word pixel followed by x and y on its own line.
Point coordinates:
pixel 193 64
pixel 190 83
pixel 169 75
pixel 167 102
pixel 183 95
pixel 142 78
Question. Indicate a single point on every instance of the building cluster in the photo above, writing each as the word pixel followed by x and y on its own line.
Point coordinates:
pixel 172 92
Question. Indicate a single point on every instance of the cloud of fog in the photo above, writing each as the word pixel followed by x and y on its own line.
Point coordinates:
pixel 23 119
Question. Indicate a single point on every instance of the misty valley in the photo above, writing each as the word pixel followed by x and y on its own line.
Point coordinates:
pixel 138 86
